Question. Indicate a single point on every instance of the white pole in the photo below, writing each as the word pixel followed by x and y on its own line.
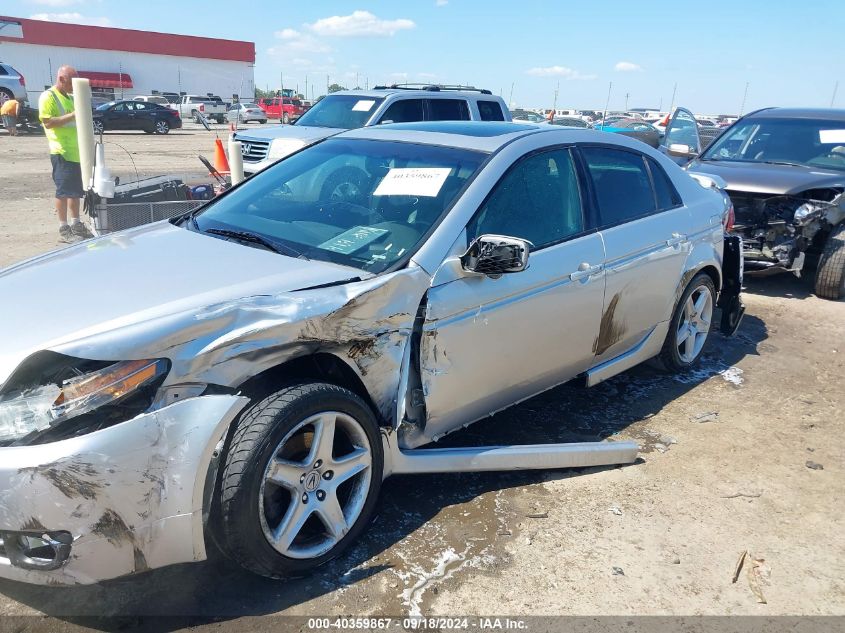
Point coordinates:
pixel 236 161
pixel 84 128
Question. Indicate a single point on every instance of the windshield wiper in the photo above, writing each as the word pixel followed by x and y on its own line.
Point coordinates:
pixel 780 162
pixel 255 238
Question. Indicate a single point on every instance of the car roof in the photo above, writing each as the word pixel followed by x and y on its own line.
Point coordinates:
pixel 483 136
pixel 381 93
pixel 827 114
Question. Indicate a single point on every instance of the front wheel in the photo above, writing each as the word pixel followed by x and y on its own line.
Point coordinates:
pixel 690 325
pixel 830 276
pixel 285 119
pixel 300 480
pixel 162 127
pixel 99 128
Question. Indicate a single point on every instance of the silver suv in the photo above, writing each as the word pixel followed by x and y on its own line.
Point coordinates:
pixel 12 85
pixel 253 371
pixel 351 109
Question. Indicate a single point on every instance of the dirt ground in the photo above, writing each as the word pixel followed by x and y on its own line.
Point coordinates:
pixel 745 453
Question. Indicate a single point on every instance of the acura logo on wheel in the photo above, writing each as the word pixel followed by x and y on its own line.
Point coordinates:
pixel 312 481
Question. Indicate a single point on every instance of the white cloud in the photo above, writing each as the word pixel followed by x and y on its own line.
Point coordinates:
pixel 628 67
pixel 73 18
pixel 441 3
pixel 557 71
pixel 359 24
pixel 294 42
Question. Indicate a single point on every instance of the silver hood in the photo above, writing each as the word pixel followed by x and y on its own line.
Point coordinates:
pixel 779 180
pixel 305 133
pixel 139 275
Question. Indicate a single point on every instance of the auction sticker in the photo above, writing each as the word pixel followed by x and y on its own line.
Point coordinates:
pixel 413 181
pixel 832 136
pixel 364 105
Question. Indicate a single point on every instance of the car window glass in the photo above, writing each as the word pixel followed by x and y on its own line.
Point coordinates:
pixel 140 106
pixel 621 183
pixel 448 110
pixel 683 130
pixel 120 107
pixel 537 200
pixel 667 195
pixel 490 111
pixel 403 111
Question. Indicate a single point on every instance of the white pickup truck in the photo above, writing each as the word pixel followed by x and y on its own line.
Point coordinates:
pixel 192 106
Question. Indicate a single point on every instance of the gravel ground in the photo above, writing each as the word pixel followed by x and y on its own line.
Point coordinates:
pixel 724 468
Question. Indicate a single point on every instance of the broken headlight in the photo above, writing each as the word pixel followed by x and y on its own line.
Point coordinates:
pixel 125 388
pixel 808 211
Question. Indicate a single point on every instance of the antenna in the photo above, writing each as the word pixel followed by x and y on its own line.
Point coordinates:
pixel 744 96
pixel 606 103
pixel 833 98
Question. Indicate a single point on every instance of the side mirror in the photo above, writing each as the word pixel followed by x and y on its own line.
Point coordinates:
pixel 680 150
pixel 496 255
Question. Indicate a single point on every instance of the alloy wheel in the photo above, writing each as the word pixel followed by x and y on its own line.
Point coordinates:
pixel 694 324
pixel 315 485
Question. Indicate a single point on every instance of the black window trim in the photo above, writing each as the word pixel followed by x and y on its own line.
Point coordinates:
pixel 594 199
pixel 572 148
pixel 649 161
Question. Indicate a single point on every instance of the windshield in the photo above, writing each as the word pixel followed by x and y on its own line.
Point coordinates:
pixel 341 111
pixel 814 143
pixel 365 204
pixel 249 105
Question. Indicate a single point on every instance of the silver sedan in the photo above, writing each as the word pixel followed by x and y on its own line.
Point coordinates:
pixel 257 368
pixel 246 112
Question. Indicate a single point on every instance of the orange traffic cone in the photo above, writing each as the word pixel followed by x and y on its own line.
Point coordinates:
pixel 221 163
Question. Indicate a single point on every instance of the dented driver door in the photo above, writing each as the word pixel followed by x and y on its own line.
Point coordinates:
pixel 489 342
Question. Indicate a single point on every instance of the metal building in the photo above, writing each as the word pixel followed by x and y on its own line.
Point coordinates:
pixel 123 63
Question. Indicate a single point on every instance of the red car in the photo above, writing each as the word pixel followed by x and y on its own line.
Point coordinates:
pixel 288 109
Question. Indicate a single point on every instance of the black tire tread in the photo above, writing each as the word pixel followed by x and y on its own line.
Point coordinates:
pixel 666 358
pixel 831 269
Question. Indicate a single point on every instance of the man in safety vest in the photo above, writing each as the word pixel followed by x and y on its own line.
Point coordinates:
pixel 55 109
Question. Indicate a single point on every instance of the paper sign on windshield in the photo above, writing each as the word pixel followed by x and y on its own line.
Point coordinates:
pixel 832 136
pixel 413 181
pixel 350 241
pixel 364 105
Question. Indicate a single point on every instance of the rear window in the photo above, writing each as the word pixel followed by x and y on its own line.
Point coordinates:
pixel 448 110
pixel 621 183
pixel 664 190
pixel 490 111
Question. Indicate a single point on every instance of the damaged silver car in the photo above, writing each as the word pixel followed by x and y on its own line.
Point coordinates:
pixel 249 374
pixel 784 170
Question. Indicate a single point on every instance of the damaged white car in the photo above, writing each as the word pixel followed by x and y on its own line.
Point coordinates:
pixel 250 373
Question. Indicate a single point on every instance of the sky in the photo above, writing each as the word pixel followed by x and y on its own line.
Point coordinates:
pixel 708 53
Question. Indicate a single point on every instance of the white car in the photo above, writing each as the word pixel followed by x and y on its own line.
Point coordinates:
pixel 246 112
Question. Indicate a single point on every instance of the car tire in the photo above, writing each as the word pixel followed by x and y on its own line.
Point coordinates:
pixel 5 95
pixel 830 274
pixel 220 120
pixel 276 474
pixel 263 121
pixel 196 116
pixel 690 325
pixel 285 119
pixel 347 184
pixel 162 127
pixel 99 128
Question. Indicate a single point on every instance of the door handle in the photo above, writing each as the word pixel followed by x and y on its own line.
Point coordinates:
pixel 676 239
pixel 585 271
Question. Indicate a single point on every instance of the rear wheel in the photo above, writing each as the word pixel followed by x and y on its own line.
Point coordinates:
pixel 196 116
pixel 300 480
pixel 5 95
pixel 285 118
pixel 99 128
pixel 690 325
pixel 830 276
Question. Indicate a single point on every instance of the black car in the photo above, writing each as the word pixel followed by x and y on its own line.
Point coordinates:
pixel 784 170
pixel 151 118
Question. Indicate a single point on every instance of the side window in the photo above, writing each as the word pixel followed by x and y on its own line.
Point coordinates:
pixel 683 130
pixel 621 182
pixel 664 190
pixel 537 200
pixel 120 107
pixel 403 111
pixel 139 105
pixel 448 110
pixel 490 111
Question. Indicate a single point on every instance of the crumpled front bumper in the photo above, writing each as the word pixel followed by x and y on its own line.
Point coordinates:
pixel 129 496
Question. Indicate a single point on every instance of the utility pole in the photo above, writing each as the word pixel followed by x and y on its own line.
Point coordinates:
pixel 833 98
pixel 510 99
pixel 606 103
pixel 554 105
pixel 282 81
pixel 627 94
pixel 672 104
pixel 327 84
pixel 744 96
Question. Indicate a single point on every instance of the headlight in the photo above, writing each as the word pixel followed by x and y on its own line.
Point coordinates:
pixel 281 147
pixel 807 211
pixel 46 406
